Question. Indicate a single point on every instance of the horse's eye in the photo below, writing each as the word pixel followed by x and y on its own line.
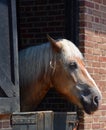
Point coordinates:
pixel 73 65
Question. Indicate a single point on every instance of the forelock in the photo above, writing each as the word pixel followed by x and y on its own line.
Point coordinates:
pixel 70 49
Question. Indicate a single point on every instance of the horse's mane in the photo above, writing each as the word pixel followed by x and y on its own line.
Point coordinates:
pixel 35 60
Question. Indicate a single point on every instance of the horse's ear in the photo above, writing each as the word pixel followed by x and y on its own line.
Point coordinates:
pixel 55 45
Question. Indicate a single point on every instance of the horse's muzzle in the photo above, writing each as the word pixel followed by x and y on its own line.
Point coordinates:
pixel 90 104
pixel 90 98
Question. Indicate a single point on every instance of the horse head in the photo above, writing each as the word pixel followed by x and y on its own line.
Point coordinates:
pixel 71 78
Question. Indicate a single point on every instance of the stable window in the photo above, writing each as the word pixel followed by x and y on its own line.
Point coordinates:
pixel 9 83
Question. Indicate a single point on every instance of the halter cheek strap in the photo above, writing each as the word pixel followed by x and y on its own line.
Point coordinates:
pixel 53 66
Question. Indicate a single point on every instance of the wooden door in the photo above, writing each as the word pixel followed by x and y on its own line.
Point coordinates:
pixel 9 83
pixel 44 120
pixel 65 121
pixel 41 120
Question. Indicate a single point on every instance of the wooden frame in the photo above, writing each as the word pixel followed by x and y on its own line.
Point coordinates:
pixel 9 79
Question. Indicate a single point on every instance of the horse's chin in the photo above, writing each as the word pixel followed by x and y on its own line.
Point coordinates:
pixel 88 106
pixel 88 110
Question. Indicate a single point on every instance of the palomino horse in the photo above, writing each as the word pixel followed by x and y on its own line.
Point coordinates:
pixel 57 64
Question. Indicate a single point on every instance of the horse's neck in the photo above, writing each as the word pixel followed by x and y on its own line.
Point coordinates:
pixel 41 89
pixel 34 95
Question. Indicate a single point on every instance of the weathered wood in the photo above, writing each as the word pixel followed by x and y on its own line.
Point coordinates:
pixel 9 79
pixel 4 38
pixel 40 122
pixel 14 46
pixel 32 120
pixel 44 120
pixel 6 84
pixel 6 105
pixel 48 120
pixel 65 120
pixel 24 121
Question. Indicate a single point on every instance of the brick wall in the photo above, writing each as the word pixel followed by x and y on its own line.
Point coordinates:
pixel 5 122
pixel 93 45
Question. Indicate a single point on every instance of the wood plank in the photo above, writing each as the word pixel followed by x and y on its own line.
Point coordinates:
pixel 65 120
pixel 9 78
pixel 25 118
pixel 28 121
pixel 6 84
pixel 42 120
pixel 6 105
pixel 14 44
pixel 48 120
pixel 4 38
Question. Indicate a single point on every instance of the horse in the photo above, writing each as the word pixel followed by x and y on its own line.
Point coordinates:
pixel 56 64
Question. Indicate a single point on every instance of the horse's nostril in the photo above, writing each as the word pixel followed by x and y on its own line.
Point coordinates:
pixel 96 100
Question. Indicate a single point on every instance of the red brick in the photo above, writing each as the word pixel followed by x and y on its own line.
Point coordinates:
pixel 6 124
pixel 95 119
pixel 89 50
pixel 96 70
pixel 103 21
pixel 103 113
pixel 103 126
pixel 88 120
pixel 102 46
pixel 97 20
pixel 90 70
pixel 89 18
pixel 102 119
pixel 104 14
pixel 103 65
pixel 89 44
pixel 96 77
pixel 102 83
pixel 102 71
pixel 81 126
pixel 89 4
pixel 97 13
pixel 103 8
pixel 82 23
pixel 97 6
pixel 88 24
pixel 104 41
pixel 94 38
pixel 88 11
pixel 96 126
pixel 82 16
pixel 104 2
pixel 87 126
pixel 88 38
pixel 98 1
pixel 96 51
pixel 88 56
pixel 103 59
